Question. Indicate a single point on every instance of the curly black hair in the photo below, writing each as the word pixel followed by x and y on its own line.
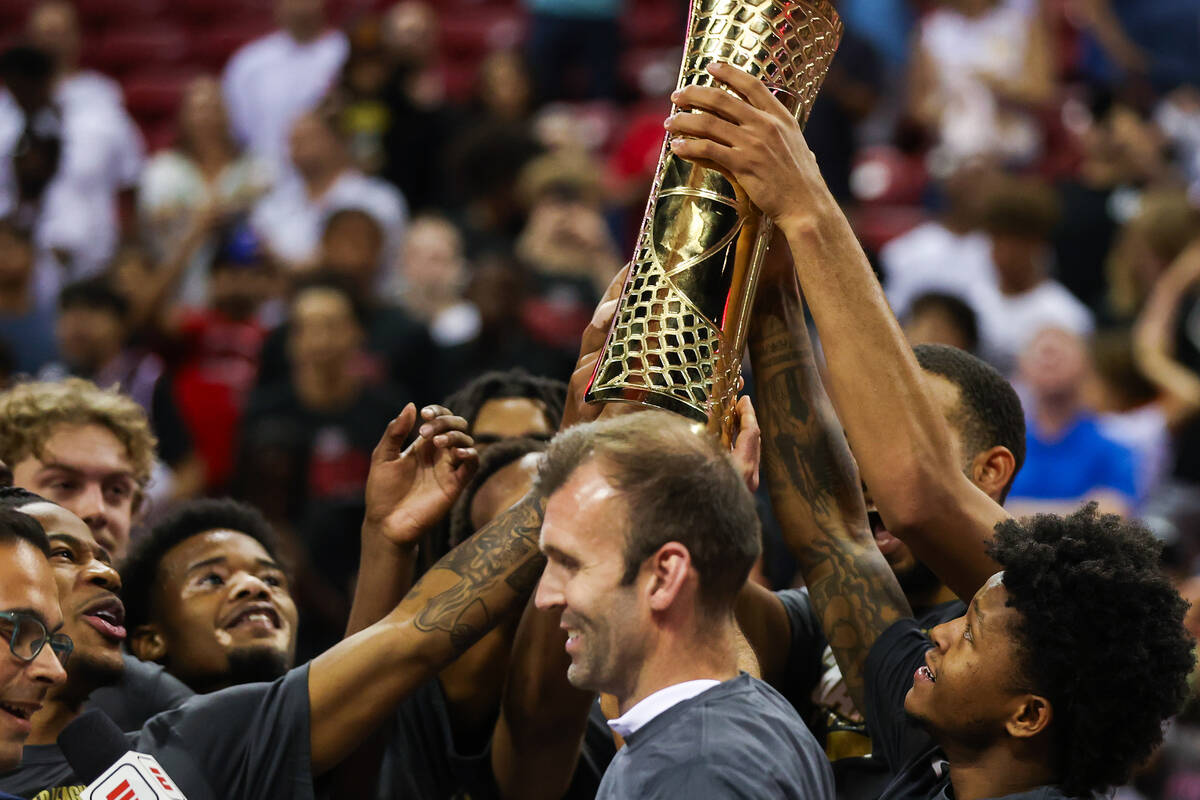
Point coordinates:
pixel 470 397
pixel 990 413
pixel 139 573
pixel 1101 636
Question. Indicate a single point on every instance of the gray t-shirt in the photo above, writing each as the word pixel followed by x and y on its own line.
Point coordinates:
pixel 144 690
pixel 249 741
pixel 739 739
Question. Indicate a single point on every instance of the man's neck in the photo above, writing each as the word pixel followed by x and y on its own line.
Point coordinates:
pixel 326 390
pixel 995 772
pixel 321 181
pixel 1054 415
pixel 56 714
pixel 676 659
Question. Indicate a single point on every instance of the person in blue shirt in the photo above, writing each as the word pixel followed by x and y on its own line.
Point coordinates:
pixel 1068 460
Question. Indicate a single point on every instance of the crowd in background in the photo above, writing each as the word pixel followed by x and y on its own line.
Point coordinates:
pixel 336 223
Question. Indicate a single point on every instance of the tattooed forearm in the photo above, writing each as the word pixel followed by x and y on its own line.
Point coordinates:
pixel 817 494
pixel 495 570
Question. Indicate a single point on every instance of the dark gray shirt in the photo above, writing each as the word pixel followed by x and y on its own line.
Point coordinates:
pixel 144 690
pixel 249 741
pixel 739 739
pixel 421 758
pixel 922 770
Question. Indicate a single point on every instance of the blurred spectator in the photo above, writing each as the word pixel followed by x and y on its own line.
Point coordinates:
pixel 94 343
pixel 574 47
pixel 1131 39
pixel 949 254
pixel 1178 116
pixel 272 81
pixel 1130 411
pixel 291 218
pixel 103 148
pixel 1068 460
pixel 433 275
pixel 397 347
pixel 421 124
pixel 324 417
pixel 848 96
pixel 504 89
pixel 85 153
pixel 981 68
pixel 26 326
pixel 501 292
pixel 1019 215
pixel 1122 154
pixel 566 244
pixel 363 115
pixel 204 173
pixel 887 24
pixel 937 318
pixel 215 347
pixel 1166 221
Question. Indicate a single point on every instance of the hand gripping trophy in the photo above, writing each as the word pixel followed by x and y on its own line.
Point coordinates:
pixel 677 339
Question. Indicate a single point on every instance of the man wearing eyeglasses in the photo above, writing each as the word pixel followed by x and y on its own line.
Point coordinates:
pixel 30 620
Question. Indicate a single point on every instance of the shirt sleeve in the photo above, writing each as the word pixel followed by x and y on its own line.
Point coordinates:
pixel 701 780
pixel 805 649
pixel 244 741
pixel 893 659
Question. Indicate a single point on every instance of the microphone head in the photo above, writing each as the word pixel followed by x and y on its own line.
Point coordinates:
pixel 91 744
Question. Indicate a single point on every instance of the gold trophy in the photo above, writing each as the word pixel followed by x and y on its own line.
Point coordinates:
pixel 676 341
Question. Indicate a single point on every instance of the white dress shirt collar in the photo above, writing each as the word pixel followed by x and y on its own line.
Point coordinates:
pixel 654 704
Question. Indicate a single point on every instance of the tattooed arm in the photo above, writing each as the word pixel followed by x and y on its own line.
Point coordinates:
pixel 356 685
pixel 898 432
pixel 814 485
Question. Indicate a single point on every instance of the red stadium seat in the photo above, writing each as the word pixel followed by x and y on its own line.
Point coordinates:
pixel 212 47
pixel 124 49
pixel 156 96
pixel 477 33
pixel 117 12
pixel 654 24
pixel 223 11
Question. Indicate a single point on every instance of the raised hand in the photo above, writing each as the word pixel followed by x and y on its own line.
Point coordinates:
pixel 410 489
pixel 755 140
pixel 747 442
pixel 576 409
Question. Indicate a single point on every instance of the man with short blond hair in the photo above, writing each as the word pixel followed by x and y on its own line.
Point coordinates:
pixel 86 448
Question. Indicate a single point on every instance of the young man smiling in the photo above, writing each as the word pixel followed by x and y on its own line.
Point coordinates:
pixel 208 599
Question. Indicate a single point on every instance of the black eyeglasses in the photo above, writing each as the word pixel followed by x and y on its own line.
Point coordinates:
pixel 28 635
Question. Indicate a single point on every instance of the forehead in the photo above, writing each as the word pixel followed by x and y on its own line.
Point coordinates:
pixel 88 448
pixel 315 304
pixel 511 416
pixel 585 517
pixel 26 581
pixel 231 546
pixel 55 519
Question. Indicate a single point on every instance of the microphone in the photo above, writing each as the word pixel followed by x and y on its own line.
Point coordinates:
pixel 99 754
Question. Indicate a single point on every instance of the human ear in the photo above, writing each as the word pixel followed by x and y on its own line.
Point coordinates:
pixel 1032 717
pixel 147 643
pixel 992 469
pixel 669 567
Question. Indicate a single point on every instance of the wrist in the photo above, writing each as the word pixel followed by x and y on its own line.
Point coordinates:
pixel 380 543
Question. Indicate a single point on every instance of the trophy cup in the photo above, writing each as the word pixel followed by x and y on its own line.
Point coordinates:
pixel 676 341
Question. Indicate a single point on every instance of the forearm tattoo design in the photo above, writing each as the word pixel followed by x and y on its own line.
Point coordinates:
pixel 497 568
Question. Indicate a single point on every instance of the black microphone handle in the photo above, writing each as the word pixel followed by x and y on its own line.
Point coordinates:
pixel 92 743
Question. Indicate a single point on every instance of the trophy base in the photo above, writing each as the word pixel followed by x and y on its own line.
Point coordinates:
pixel 645 397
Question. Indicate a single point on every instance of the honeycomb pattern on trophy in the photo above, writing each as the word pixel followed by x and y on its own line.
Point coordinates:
pixel 661 343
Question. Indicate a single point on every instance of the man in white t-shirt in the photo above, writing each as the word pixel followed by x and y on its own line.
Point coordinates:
pixel 271 81
pixel 290 219
pixel 78 224
pixel 1019 215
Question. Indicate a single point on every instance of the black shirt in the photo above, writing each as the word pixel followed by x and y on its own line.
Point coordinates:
pixel 249 741
pixel 813 684
pixel 145 689
pixel 923 772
